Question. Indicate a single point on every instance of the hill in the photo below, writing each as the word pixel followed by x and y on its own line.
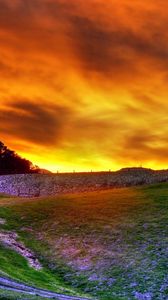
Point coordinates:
pixel 110 245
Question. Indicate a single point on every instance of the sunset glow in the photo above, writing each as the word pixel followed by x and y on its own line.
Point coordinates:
pixel 83 84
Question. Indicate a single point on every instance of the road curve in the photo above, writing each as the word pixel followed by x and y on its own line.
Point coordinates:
pixel 11 285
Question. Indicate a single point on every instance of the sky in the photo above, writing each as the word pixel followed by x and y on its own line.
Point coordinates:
pixel 83 84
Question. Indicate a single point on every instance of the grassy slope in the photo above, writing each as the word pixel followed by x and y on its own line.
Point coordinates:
pixel 110 244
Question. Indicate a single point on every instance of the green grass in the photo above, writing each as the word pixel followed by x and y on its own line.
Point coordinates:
pixel 10 295
pixel 15 266
pixel 109 244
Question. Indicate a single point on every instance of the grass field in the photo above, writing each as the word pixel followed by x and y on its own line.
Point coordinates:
pixel 108 245
pixel 7 295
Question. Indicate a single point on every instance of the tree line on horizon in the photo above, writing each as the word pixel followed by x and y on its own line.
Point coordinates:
pixel 12 163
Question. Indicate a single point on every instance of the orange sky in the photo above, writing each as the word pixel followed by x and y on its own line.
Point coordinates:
pixel 83 84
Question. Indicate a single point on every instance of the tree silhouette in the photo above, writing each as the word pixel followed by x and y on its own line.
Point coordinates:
pixel 12 163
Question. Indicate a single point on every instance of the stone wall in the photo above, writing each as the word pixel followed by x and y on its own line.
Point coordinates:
pixel 35 185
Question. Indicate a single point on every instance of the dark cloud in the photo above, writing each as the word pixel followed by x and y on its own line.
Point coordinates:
pixel 117 48
pixel 143 145
pixel 35 123
pixel 140 140
pixel 96 47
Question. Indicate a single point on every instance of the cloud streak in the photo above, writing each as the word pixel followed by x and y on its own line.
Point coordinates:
pixel 34 123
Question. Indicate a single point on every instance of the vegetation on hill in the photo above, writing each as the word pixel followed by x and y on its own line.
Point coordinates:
pixel 12 163
pixel 111 245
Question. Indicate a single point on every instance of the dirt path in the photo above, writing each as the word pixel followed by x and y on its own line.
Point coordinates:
pixel 10 240
pixel 11 285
